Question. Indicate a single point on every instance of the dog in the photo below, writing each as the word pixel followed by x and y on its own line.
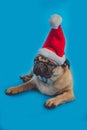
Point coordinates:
pixel 50 79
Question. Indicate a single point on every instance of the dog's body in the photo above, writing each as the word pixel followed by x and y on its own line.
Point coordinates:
pixel 50 79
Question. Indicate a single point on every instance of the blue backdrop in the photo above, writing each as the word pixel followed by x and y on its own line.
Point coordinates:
pixel 23 29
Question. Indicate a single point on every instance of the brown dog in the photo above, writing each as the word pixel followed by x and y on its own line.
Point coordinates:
pixel 49 78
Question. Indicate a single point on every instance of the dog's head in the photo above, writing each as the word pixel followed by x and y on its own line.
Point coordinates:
pixel 46 67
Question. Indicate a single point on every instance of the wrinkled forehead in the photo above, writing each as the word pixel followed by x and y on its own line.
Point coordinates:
pixel 44 59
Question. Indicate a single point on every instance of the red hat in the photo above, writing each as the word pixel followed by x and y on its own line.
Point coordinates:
pixel 54 45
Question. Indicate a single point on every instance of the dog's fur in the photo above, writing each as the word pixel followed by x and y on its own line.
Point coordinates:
pixel 49 78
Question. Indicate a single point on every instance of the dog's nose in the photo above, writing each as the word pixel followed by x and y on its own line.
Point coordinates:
pixel 41 64
pixel 43 67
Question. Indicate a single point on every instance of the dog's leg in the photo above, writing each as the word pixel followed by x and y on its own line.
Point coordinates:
pixel 66 96
pixel 30 85
pixel 28 77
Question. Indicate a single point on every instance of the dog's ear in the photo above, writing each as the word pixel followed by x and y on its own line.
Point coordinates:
pixel 66 63
pixel 36 58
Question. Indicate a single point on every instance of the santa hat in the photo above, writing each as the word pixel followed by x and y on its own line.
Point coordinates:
pixel 54 45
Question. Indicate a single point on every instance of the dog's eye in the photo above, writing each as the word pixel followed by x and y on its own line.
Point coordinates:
pixel 35 61
pixel 52 65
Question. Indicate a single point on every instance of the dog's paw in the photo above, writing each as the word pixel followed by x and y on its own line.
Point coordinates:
pixel 51 103
pixel 12 91
pixel 25 78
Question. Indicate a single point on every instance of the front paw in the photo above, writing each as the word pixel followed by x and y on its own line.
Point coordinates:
pixel 51 103
pixel 12 91
pixel 25 78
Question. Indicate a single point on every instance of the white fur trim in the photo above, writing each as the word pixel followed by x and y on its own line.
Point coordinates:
pixel 55 21
pixel 49 54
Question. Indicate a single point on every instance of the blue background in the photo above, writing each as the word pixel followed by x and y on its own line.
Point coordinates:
pixel 23 29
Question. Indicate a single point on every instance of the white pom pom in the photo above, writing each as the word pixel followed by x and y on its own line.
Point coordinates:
pixel 55 20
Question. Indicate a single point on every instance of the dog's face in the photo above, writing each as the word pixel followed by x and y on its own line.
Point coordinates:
pixel 46 67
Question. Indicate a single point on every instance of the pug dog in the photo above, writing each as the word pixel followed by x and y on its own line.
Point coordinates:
pixel 51 74
pixel 50 79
